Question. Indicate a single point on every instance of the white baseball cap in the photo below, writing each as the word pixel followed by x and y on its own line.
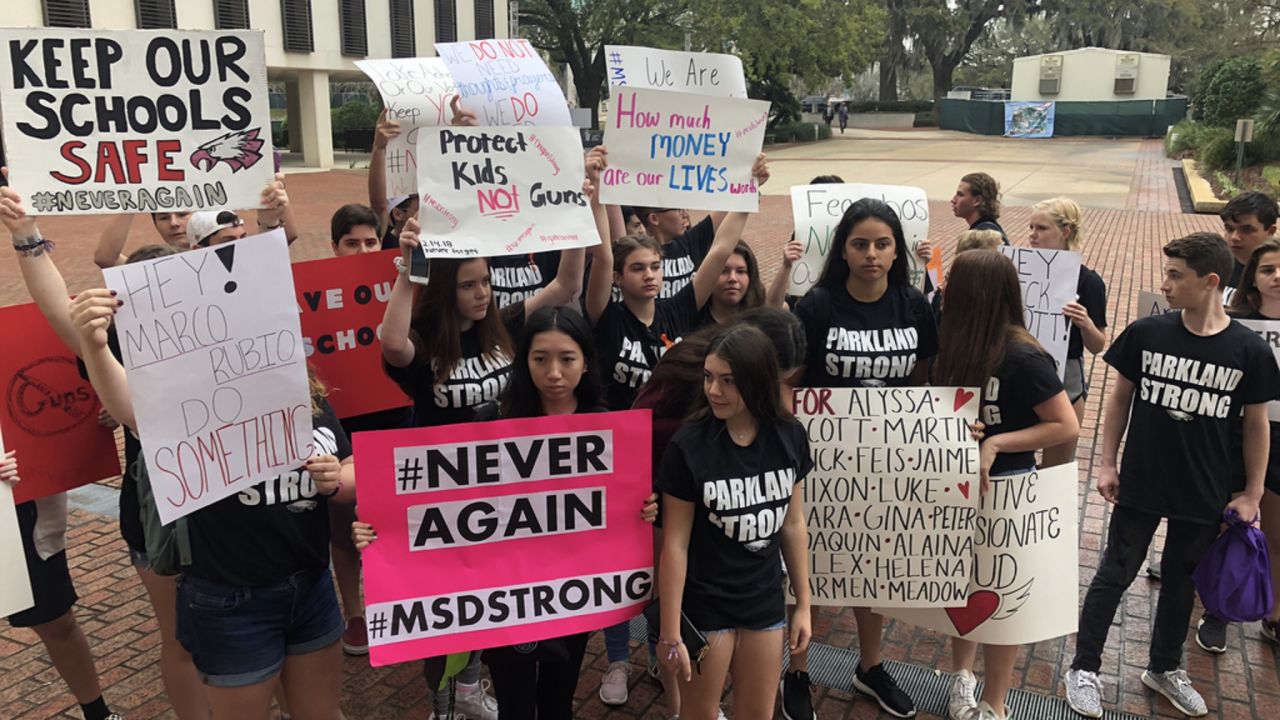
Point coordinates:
pixel 202 225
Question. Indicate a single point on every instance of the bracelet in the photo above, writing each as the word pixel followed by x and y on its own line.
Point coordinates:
pixel 336 490
pixel 270 227
pixel 35 248
pixel 401 267
pixel 673 653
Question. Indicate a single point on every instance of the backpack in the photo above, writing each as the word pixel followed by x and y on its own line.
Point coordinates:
pixel 168 546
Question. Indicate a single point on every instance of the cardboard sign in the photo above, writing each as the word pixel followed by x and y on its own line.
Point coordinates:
pixel 15 591
pixel 50 413
pixel 1026 568
pixel 135 121
pixel 1150 303
pixel 216 369
pixel 505 82
pixel 342 301
pixel 817 210
pixel 1268 330
pixel 676 150
pixel 416 93
pixel 892 496
pixel 690 72
pixel 502 191
pixel 1049 279
pixel 503 533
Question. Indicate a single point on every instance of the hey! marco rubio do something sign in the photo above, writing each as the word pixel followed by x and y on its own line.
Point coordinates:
pixel 134 121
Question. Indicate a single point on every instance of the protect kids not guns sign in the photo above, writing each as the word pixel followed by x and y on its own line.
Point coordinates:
pixel 134 121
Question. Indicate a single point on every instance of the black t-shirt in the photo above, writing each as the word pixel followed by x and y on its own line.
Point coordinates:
pixel 740 497
pixel 1093 296
pixel 392 419
pixel 271 530
pixel 857 344
pixel 515 278
pixel 1233 282
pixel 476 379
pixel 629 351
pixel 1189 391
pixel 989 223
pixel 1237 445
pixel 682 256
pixel 1026 378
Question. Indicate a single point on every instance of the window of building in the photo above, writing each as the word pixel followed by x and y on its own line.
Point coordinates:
pixel 355 38
pixel 66 13
pixel 295 20
pixel 231 14
pixel 484 19
pixel 402 38
pixel 446 21
pixel 155 14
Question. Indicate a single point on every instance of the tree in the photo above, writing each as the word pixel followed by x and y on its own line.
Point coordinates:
pixel 895 48
pixel 946 29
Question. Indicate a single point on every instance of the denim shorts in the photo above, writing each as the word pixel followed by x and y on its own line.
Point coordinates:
pixel 780 625
pixel 240 636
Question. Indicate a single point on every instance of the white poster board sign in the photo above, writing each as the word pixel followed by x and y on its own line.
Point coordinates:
pixel 1026 569
pixel 212 346
pixel 505 82
pixel 490 191
pixel 15 591
pixel 891 500
pixel 1150 303
pixel 817 210
pixel 135 121
pixel 676 150
pixel 416 93
pixel 1268 330
pixel 690 72
pixel 1049 279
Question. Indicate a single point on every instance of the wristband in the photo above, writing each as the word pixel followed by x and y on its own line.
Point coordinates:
pixel 336 490
pixel 278 225
pixel 401 267
pixel 36 247
pixel 673 653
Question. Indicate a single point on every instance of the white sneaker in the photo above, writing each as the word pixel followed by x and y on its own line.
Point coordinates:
pixel 962 697
pixel 613 685
pixel 477 704
pixel 986 712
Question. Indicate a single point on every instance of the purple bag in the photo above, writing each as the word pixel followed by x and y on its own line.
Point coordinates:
pixel 1234 576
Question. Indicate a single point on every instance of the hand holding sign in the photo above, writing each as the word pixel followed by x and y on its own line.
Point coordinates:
pixel 91 313
pixel 12 212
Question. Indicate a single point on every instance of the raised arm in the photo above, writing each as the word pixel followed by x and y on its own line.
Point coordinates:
pixel 617 223
pixel 91 314
pixel 777 293
pixel 275 210
pixel 44 282
pixel 600 284
pixel 397 348
pixel 727 237
pixel 110 250
pixel 386 130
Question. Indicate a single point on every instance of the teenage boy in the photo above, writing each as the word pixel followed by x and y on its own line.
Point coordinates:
pixel 977 202
pixel 1186 377
pixel 1248 220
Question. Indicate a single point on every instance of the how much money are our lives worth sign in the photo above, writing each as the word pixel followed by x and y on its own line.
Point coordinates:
pixel 135 121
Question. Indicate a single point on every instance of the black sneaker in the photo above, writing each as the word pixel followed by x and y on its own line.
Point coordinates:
pixel 796 701
pixel 1271 630
pixel 877 683
pixel 1153 571
pixel 1211 635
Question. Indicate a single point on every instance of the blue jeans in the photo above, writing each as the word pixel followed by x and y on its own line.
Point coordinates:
pixel 617 642
pixel 240 636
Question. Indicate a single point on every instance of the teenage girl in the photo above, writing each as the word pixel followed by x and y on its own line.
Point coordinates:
pixel 738 288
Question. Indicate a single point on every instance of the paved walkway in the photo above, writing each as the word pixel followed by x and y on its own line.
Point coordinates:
pixel 1122 241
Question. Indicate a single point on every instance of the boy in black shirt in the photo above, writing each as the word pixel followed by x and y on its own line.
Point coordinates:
pixel 1186 376
pixel 977 202
pixel 1248 220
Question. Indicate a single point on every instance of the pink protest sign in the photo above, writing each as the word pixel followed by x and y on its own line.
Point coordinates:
pixel 504 532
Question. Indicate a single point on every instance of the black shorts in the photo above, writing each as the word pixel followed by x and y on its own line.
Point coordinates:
pixel 51 586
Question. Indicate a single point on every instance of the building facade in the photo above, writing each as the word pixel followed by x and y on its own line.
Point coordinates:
pixel 1091 74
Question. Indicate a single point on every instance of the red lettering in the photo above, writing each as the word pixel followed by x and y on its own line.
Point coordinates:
pixel 134 156
pixel 164 158
pixel 109 157
pixel 69 154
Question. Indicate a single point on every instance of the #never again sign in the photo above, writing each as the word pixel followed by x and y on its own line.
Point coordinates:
pixel 135 121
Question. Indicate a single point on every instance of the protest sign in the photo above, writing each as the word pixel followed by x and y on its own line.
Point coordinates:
pixel 690 72
pixel 817 210
pixel 505 82
pixel 415 92
pixel 1049 279
pixel 892 496
pixel 15 592
pixel 507 191
pixel 673 150
pixel 50 412
pixel 342 300
pixel 1268 330
pixel 1150 303
pixel 135 121
pixel 213 351
pixel 503 533
pixel 1026 569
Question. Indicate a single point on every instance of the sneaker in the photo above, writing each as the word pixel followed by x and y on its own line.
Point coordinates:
pixel 1271 630
pixel 1084 692
pixel 1153 571
pixel 877 683
pixel 355 640
pixel 986 712
pixel 613 686
pixel 1211 634
pixel 477 704
pixel 796 701
pixel 114 716
pixel 1176 687
pixel 962 698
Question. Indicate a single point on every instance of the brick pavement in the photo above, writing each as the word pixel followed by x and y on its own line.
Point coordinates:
pixel 1122 245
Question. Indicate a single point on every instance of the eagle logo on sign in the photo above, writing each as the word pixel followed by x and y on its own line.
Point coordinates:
pixel 240 150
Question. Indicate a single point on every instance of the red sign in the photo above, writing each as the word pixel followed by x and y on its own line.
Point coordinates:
pixel 49 414
pixel 342 300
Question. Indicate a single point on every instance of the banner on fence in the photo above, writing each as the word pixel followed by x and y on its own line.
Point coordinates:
pixel 1029 119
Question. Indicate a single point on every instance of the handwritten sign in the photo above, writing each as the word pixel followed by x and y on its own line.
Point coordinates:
pixel 672 150
pixel 817 210
pixel 504 532
pixel 216 369
pixel 1026 569
pixel 893 494
pixel 505 82
pixel 50 412
pixel 691 72
pixel 1150 303
pixel 415 92
pixel 342 301
pixel 15 592
pixel 502 191
pixel 1049 279
pixel 135 121
pixel 1268 330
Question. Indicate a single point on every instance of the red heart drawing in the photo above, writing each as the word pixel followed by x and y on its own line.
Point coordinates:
pixel 982 605
pixel 962 398
pixel 963 488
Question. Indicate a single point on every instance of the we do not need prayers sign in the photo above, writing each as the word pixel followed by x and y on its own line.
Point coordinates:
pixel 503 533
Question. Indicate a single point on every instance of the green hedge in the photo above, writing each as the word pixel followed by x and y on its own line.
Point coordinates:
pixel 1230 91
pixel 902 106
pixel 800 132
